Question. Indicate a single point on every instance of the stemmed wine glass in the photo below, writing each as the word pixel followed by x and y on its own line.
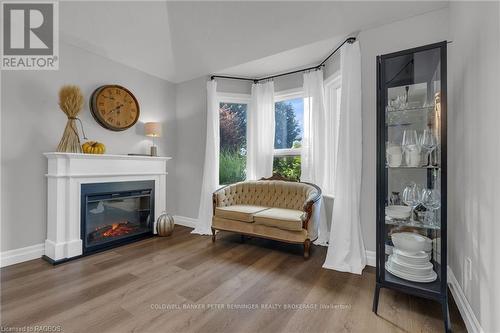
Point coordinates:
pixel 412 196
pixel 431 199
pixel 428 142
pixel 411 147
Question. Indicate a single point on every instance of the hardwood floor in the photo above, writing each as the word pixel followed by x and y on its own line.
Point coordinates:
pixel 143 287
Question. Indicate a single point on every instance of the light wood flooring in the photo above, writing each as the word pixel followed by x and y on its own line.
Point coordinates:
pixel 141 286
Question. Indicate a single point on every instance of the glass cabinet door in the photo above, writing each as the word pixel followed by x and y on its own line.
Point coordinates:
pixel 411 157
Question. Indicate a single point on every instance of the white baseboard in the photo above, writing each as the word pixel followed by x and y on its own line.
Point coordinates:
pixel 16 256
pixel 185 221
pixel 470 320
pixel 371 258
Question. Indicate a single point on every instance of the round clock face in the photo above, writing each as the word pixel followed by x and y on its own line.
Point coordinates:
pixel 114 107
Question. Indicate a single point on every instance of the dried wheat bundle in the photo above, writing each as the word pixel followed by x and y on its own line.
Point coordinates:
pixel 71 103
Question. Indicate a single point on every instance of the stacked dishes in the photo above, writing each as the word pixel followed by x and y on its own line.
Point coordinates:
pixel 398 212
pixel 411 257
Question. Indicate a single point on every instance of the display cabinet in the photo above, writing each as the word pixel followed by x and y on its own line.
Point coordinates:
pixel 411 174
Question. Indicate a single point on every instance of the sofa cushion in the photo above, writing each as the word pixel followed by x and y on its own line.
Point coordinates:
pixel 242 213
pixel 260 230
pixel 287 219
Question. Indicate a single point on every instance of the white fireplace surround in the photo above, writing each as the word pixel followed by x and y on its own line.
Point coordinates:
pixel 66 173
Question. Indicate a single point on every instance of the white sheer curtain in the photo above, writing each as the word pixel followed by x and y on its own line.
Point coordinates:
pixel 260 131
pixel 346 251
pixel 317 144
pixel 211 166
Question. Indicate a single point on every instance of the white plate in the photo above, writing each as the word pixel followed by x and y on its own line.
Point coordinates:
pixel 417 270
pixel 411 262
pixel 398 212
pixel 432 277
pixel 420 258
pixel 419 255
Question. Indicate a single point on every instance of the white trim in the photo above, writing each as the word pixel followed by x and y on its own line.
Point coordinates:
pixel 288 94
pixel 287 152
pixel 468 316
pixel 185 221
pixel 23 254
pixel 334 79
pixel 55 155
pixel 223 97
pixel 77 175
pixel 371 258
pixel 16 256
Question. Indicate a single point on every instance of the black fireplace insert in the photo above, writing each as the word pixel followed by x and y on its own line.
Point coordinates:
pixel 116 213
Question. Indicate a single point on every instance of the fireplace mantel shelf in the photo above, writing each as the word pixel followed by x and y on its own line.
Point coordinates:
pixel 105 156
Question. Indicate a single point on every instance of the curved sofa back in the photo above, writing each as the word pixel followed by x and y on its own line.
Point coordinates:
pixel 268 193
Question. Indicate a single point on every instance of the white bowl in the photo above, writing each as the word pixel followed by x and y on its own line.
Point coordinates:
pixel 410 242
pixel 398 212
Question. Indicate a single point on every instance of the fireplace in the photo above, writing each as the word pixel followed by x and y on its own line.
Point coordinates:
pixel 116 213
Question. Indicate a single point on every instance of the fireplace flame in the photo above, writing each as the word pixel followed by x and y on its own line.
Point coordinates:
pixel 117 229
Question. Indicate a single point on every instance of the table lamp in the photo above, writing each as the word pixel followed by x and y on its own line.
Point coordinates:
pixel 153 129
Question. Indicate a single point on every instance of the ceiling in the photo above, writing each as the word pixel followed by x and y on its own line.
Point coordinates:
pixel 178 41
pixel 301 57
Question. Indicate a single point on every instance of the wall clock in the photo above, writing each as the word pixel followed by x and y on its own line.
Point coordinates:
pixel 114 107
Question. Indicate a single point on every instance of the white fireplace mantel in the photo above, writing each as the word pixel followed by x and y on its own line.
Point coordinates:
pixel 66 173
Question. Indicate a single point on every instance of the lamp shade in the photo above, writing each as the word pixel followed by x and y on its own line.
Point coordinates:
pixel 152 129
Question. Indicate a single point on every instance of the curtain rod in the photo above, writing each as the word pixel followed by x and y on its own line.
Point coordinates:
pixel 349 40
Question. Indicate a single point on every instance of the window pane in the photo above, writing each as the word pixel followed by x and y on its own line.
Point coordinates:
pixel 287 166
pixel 289 123
pixel 233 142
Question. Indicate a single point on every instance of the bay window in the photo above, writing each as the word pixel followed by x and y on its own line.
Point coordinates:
pixel 289 129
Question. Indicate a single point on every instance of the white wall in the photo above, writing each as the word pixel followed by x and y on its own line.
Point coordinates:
pixel 417 31
pixel 191 111
pixel 474 156
pixel 32 124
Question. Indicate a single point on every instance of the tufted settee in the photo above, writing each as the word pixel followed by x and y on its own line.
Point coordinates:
pixel 271 208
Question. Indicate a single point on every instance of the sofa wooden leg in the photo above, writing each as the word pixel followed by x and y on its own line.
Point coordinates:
pixel 213 235
pixel 307 248
pixel 242 238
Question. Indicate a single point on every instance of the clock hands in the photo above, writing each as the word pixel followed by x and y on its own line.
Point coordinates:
pixel 116 109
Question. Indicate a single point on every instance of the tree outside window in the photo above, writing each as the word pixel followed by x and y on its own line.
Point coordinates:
pixel 233 142
pixel 289 114
pixel 289 125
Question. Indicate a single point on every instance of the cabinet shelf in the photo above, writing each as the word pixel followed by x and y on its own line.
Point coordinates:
pixel 432 287
pixel 432 167
pixel 414 224
pixel 411 109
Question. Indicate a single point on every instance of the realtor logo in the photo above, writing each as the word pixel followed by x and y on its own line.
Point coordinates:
pixel 30 35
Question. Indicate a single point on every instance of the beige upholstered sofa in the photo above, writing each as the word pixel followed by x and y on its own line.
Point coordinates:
pixel 269 208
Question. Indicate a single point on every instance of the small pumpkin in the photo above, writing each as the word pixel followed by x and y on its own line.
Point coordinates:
pixel 165 225
pixel 93 147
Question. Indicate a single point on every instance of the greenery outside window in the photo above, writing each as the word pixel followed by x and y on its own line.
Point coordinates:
pixel 233 142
